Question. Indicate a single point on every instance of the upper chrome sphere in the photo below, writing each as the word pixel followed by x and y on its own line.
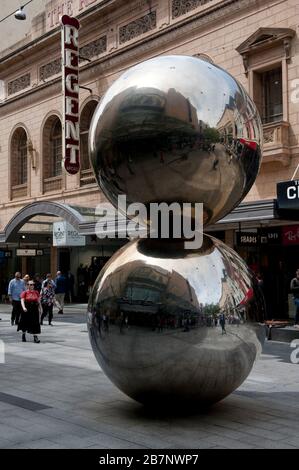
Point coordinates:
pixel 176 129
pixel 173 325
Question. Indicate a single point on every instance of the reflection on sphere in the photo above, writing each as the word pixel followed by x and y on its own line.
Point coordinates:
pixel 171 326
pixel 177 129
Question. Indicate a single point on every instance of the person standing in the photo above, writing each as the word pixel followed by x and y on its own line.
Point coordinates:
pixel 49 279
pixel 37 282
pixel 70 286
pixel 222 322
pixel 295 292
pixel 47 301
pixel 15 289
pixel 29 322
pixel 60 291
pixel 26 279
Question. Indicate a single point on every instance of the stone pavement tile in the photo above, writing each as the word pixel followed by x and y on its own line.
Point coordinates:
pixel 255 426
pixel 14 434
pixel 71 441
pixel 43 444
pixel 230 443
pixel 267 443
pixel 4 443
pixel 293 440
pixel 17 446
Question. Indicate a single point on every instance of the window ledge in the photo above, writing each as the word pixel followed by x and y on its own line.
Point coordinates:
pixel 276 143
pixel 19 191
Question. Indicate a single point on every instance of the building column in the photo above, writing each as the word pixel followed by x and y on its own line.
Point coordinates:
pixel 24 265
pixel 53 260
pixel 230 238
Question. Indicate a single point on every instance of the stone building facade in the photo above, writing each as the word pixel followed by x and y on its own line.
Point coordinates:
pixel 256 41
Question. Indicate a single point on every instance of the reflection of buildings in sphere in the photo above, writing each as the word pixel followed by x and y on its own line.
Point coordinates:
pixel 170 348
pixel 171 129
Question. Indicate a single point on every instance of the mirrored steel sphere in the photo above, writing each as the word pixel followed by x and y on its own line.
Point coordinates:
pixel 176 129
pixel 168 325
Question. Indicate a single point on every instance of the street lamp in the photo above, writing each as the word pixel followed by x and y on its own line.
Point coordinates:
pixel 20 14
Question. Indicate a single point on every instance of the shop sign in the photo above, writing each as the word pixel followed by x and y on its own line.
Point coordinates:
pixel 5 254
pixel 26 252
pixel 247 239
pixel 70 92
pixel 290 235
pixel 65 235
pixel 270 236
pixel 288 195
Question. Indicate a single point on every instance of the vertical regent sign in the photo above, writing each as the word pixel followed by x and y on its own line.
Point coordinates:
pixel 70 91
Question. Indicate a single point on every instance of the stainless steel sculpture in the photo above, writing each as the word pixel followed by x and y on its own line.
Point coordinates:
pixel 177 129
pixel 153 321
pixel 166 324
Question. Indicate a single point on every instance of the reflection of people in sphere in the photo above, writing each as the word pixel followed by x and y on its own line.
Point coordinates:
pixel 222 322
pixel 295 292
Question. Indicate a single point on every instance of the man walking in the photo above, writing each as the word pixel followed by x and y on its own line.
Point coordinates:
pixel 60 291
pixel 15 289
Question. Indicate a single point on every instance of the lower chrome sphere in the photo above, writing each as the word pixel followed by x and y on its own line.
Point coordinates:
pixel 169 325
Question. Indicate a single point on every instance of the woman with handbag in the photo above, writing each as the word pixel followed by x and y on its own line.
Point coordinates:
pixel 47 299
pixel 30 301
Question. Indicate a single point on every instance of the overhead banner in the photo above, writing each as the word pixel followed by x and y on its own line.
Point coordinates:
pixel 64 234
pixel 70 91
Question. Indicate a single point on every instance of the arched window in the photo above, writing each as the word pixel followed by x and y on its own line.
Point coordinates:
pixel 52 154
pixel 19 163
pixel 56 148
pixel 86 176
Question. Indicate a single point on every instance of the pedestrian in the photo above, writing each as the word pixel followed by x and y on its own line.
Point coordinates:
pixel 47 299
pixel 37 282
pixel 29 322
pixel 60 291
pixel 26 279
pixel 222 322
pixel 70 286
pixel 295 292
pixel 15 289
pixel 49 278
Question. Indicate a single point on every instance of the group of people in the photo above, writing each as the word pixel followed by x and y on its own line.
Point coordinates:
pixel 33 300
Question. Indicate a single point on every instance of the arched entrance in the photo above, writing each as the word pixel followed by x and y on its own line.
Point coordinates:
pixel 28 238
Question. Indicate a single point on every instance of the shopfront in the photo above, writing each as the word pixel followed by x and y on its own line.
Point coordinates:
pixel 273 254
pixel 49 236
pixel 266 235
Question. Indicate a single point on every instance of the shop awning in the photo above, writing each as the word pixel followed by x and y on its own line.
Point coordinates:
pixel 85 219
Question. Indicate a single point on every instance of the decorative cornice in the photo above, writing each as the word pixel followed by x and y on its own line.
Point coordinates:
pixel 18 84
pixel 181 7
pixel 93 48
pixel 265 38
pixel 137 27
pixel 50 69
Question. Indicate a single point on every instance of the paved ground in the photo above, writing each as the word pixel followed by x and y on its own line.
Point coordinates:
pixel 54 395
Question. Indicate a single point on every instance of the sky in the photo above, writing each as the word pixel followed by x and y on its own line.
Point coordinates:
pixel 12 30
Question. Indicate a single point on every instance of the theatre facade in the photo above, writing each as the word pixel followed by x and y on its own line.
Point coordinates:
pixel 257 42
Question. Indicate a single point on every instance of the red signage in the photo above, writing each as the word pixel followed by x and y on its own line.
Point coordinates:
pixel 290 235
pixel 70 91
